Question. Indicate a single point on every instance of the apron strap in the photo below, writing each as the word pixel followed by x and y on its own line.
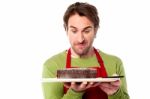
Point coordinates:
pixel 68 60
pixel 103 72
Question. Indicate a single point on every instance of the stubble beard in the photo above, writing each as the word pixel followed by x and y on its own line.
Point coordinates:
pixel 81 52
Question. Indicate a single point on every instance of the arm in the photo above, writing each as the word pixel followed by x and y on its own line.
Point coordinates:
pixel 122 92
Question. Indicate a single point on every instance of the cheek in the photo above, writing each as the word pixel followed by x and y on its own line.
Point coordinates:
pixel 90 38
pixel 71 38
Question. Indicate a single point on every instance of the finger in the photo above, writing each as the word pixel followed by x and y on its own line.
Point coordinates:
pixel 90 84
pixel 115 74
pixel 107 90
pixel 108 86
pixel 105 84
pixel 85 82
pixel 116 83
pixel 73 85
pixel 67 85
pixel 83 85
pixel 96 84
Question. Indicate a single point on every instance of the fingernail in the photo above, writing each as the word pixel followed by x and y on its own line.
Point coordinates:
pixel 84 82
pixel 91 83
pixel 73 83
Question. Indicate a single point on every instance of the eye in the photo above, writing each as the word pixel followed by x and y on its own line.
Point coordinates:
pixel 74 31
pixel 87 31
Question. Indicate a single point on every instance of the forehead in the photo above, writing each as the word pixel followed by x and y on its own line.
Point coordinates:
pixel 79 22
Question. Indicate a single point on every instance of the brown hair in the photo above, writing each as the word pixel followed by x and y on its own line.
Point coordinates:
pixel 83 9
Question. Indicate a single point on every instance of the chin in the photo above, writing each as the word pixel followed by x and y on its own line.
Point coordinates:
pixel 81 52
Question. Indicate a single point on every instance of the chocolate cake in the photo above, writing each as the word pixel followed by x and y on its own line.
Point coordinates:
pixel 77 73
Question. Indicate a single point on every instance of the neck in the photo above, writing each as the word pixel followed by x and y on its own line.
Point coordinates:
pixel 88 54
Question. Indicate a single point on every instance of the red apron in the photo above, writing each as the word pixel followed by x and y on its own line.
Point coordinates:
pixel 95 92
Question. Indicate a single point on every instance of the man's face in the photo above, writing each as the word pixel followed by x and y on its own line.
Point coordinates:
pixel 81 33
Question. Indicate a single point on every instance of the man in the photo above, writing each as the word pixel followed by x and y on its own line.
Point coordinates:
pixel 81 23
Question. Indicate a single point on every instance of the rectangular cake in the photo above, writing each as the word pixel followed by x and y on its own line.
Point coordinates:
pixel 77 73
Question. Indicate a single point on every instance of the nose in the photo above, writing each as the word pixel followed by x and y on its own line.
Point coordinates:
pixel 80 37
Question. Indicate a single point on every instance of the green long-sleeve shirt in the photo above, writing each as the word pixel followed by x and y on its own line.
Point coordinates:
pixel 55 90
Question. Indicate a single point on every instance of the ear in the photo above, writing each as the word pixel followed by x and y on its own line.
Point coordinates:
pixel 95 30
pixel 65 27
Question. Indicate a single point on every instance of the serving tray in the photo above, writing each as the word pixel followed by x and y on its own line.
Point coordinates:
pixel 110 79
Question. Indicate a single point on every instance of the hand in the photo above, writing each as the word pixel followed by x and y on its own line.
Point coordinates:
pixel 80 87
pixel 110 87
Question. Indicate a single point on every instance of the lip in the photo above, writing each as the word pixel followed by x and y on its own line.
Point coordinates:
pixel 81 45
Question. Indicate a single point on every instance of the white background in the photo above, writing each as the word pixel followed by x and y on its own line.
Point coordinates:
pixel 31 31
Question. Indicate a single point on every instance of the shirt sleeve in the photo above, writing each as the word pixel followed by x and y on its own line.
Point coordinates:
pixel 122 93
pixel 55 90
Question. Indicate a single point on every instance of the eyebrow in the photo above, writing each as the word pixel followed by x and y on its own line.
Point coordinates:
pixel 83 28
